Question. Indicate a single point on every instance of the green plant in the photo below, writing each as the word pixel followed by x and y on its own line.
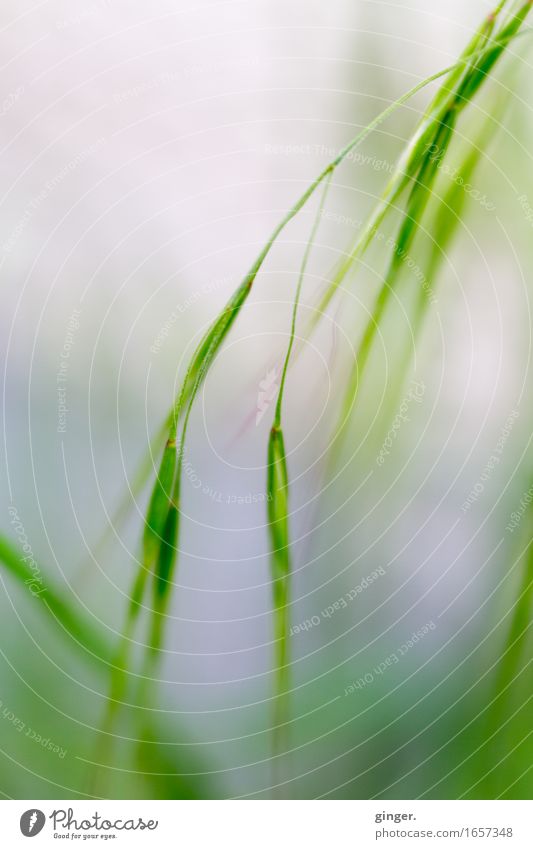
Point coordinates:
pixel 409 192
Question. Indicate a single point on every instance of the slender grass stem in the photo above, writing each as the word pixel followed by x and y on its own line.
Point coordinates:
pixel 278 520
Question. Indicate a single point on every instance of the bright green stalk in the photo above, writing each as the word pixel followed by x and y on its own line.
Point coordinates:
pixel 490 56
pixel 140 479
pixel 443 229
pixel 280 570
pixel 416 205
pixel 447 219
pixel 278 515
pixel 153 533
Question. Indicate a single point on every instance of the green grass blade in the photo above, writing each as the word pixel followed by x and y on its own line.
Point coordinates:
pixel 495 49
pixel 278 516
pixel 444 226
pixel 416 205
pixel 278 524
pixel 163 580
pixel 159 504
pixel 65 612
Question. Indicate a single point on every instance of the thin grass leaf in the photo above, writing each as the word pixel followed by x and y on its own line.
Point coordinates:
pixel 65 612
pixel 416 205
pixel 163 578
pixel 280 570
pixel 278 515
pixel 444 226
pixel 153 537
pixel 139 481
pixel 477 42
pixel 159 504
pixel 490 56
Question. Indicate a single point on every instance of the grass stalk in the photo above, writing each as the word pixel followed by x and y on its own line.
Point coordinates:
pixel 278 519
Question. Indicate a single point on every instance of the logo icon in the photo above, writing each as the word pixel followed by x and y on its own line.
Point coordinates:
pixel 32 822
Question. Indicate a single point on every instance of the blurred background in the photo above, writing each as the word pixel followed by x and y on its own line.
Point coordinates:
pixel 147 152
